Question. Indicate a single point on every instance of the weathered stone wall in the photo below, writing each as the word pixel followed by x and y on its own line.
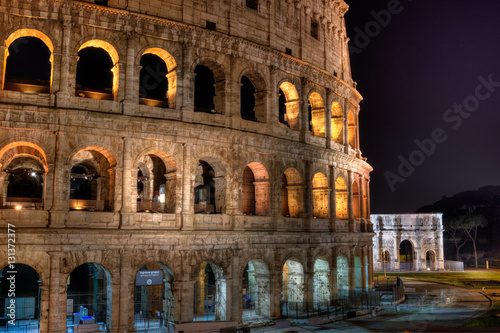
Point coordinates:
pixel 118 137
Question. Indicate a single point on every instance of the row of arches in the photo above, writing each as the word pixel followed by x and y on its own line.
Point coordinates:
pixel 156 181
pixel 89 292
pixel 29 67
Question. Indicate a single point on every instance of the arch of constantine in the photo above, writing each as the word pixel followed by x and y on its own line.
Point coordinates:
pixel 408 242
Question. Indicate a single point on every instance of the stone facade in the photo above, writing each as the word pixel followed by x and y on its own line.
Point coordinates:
pixel 424 232
pixel 128 179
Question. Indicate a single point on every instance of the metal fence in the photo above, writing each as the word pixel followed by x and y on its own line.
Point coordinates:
pixel 343 305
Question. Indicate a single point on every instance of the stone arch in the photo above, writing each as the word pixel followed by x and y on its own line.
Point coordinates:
pixel 256 286
pixel 170 76
pixel 153 302
pixel 321 196
pixel 337 123
pixel 92 181
pixel 292 193
pixel 255 190
pixel 253 93
pixel 210 292
pixel 341 198
pixel 23 177
pixel 89 293
pixel 431 260
pixel 156 181
pixel 210 185
pixel 209 86
pixel 292 287
pixel 26 282
pixel 342 275
pixel 351 128
pixel 289 105
pixel 406 254
pixel 114 57
pixel 45 85
pixel 316 111
pixel 321 283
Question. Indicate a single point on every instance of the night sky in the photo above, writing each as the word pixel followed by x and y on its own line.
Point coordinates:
pixel 419 74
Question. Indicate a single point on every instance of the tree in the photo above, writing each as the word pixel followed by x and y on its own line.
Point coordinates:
pixel 466 224
pixel 470 224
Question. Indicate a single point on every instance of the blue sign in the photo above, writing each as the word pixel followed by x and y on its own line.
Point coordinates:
pixel 149 278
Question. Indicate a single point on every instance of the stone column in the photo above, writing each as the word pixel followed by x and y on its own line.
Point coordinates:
pixel 370 266
pixel 307 193
pixel 234 294
pixel 65 89
pixel 364 263
pixel 345 110
pixel 129 186
pixel 356 116
pixel 131 96
pixel 308 298
pixel 273 99
pixel 328 118
pixel 187 82
pixel 367 207
pixel 61 184
pixel 303 110
pixel 276 293
pixel 123 296
pixel 57 297
pixel 352 270
pixel 333 202
pixel 362 208
pixel 4 184
pixel 4 54
pixel 350 209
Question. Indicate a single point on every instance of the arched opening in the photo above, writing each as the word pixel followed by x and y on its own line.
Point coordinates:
pixel 210 293
pixel 321 284
pixel 20 298
pixel 24 183
pixel 255 190
pixel 256 291
pixel 95 74
pixel 356 207
pixel 153 298
pixel 247 103
pixel 406 255
pixel 204 90
pixel 292 201
pixel 204 190
pixel 337 123
pixel 341 198
pixel 430 260
pixel 92 180
pixel 293 288
pixel 88 292
pixel 289 106
pixel 320 196
pixel 316 115
pixel 28 65
pixel 153 84
pixel 351 122
pixel 342 276
pixel 156 184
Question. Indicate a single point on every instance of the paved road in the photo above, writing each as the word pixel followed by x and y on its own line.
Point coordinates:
pixel 431 307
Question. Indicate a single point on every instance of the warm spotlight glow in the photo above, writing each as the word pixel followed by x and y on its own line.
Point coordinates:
pixel 18 207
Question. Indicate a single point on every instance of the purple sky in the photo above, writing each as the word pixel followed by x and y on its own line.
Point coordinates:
pixel 415 74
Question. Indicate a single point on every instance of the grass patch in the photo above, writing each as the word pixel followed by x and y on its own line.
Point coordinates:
pixel 472 280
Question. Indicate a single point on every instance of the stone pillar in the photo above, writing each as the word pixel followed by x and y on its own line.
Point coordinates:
pixel 440 253
pixel 356 117
pixel 61 184
pixel 187 76
pixel 362 208
pixel 123 296
pixel 129 186
pixel 350 209
pixel 65 88
pixel 308 298
pixel 333 196
pixel 367 207
pixel 370 267
pixel 303 110
pixel 4 184
pixel 4 53
pixel 131 86
pixel 57 297
pixel 273 97
pixel 235 292
pixel 352 270
pixel 307 192
pixel 328 117
pixel 345 110
pixel 275 291
pixel 333 277
pixel 364 263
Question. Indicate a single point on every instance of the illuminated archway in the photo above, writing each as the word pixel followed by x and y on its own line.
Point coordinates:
pixel 341 198
pixel 406 255
pixel 255 190
pixel 256 290
pixel 321 284
pixel 210 293
pixel 86 76
pixel 316 115
pixel 320 196
pixel 293 288
pixel 292 200
pixel 158 78
pixel 337 123
pixel 342 276
pixel 356 200
pixel 289 108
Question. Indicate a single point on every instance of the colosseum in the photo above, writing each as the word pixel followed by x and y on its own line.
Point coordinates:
pixel 178 161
